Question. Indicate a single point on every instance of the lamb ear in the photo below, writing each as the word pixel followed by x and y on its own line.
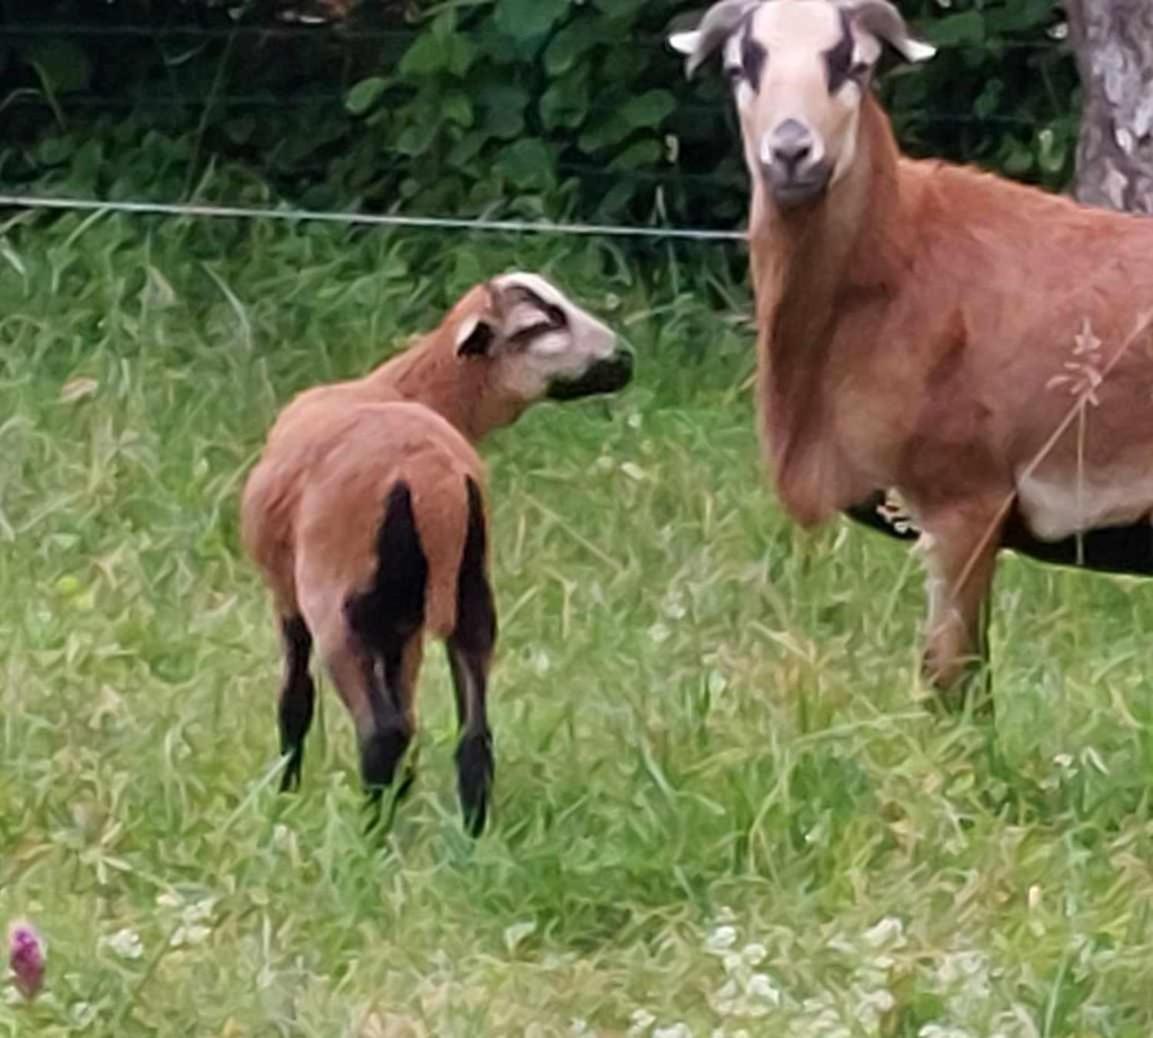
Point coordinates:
pixel 474 337
pixel 881 19
pixel 719 23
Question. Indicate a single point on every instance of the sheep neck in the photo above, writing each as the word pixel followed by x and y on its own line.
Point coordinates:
pixel 430 373
pixel 810 268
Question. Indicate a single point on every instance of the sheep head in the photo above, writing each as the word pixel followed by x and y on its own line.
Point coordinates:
pixel 537 343
pixel 799 69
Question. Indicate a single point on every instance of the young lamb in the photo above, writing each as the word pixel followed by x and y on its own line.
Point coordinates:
pixel 366 517
pixel 980 347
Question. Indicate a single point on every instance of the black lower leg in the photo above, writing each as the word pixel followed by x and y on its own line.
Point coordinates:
pixel 297 699
pixel 474 771
pixel 380 753
pixel 469 652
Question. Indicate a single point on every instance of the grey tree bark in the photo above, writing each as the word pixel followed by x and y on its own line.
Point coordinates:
pixel 1113 41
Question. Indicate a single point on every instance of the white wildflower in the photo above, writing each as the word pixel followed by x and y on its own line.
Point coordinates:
pixel 754 954
pixel 761 987
pixel 888 933
pixel 677 1030
pixel 942 1031
pixel 579 1028
pixel 188 935
pixel 721 939
pixel 639 1023
pixel 124 943
pixel 674 606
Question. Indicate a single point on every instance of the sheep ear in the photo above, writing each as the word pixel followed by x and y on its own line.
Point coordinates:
pixel 474 337
pixel 719 23
pixel 882 20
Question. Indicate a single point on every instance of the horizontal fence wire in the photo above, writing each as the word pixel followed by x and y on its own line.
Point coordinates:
pixel 350 219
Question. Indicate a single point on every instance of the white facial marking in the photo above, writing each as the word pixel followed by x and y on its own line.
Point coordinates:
pixel 564 352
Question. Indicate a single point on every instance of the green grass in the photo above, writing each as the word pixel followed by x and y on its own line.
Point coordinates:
pixel 704 719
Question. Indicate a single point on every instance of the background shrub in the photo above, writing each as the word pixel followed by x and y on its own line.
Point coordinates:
pixel 512 107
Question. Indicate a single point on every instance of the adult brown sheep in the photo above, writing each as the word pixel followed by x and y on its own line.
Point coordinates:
pixel 366 518
pixel 978 346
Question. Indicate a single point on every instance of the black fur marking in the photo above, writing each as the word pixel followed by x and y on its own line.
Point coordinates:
pixel 297 699
pixel 753 59
pixel 555 317
pixel 605 376
pixel 839 57
pixel 384 618
pixel 867 514
pixel 392 610
pixel 476 627
pixel 474 769
pixel 1125 550
pixel 469 651
pixel 1110 549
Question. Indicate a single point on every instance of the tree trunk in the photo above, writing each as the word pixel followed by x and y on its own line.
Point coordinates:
pixel 1113 40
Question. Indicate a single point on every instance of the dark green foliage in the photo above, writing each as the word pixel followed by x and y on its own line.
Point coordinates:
pixel 510 107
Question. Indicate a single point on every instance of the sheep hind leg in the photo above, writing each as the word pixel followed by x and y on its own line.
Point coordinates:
pixel 297 698
pixel 470 648
pixel 387 620
pixel 961 561
pixel 383 730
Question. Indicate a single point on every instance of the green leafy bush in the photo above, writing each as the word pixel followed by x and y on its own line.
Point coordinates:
pixel 514 107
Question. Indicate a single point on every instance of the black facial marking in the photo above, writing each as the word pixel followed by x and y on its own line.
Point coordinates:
pixel 533 331
pixel 839 57
pixel 605 376
pixel 753 58
pixel 553 314
pixel 553 317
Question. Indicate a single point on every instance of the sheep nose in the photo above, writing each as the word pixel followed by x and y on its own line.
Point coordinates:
pixel 790 145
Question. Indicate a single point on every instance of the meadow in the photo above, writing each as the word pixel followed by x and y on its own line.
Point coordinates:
pixel 722 807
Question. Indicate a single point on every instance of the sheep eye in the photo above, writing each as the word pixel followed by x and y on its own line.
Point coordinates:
pixel 734 74
pixel 859 71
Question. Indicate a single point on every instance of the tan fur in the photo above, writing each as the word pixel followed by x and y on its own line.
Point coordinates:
pixel 925 327
pixel 337 449
pixel 340 456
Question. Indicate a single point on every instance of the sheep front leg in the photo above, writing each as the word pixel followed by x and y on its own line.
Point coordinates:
pixel 297 698
pixel 960 559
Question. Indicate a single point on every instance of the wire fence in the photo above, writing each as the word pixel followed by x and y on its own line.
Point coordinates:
pixel 311 101
pixel 351 219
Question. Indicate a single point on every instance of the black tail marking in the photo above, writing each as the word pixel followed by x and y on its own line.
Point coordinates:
pixel 476 626
pixel 384 618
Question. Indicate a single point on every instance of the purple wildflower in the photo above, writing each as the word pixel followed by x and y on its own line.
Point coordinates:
pixel 26 958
